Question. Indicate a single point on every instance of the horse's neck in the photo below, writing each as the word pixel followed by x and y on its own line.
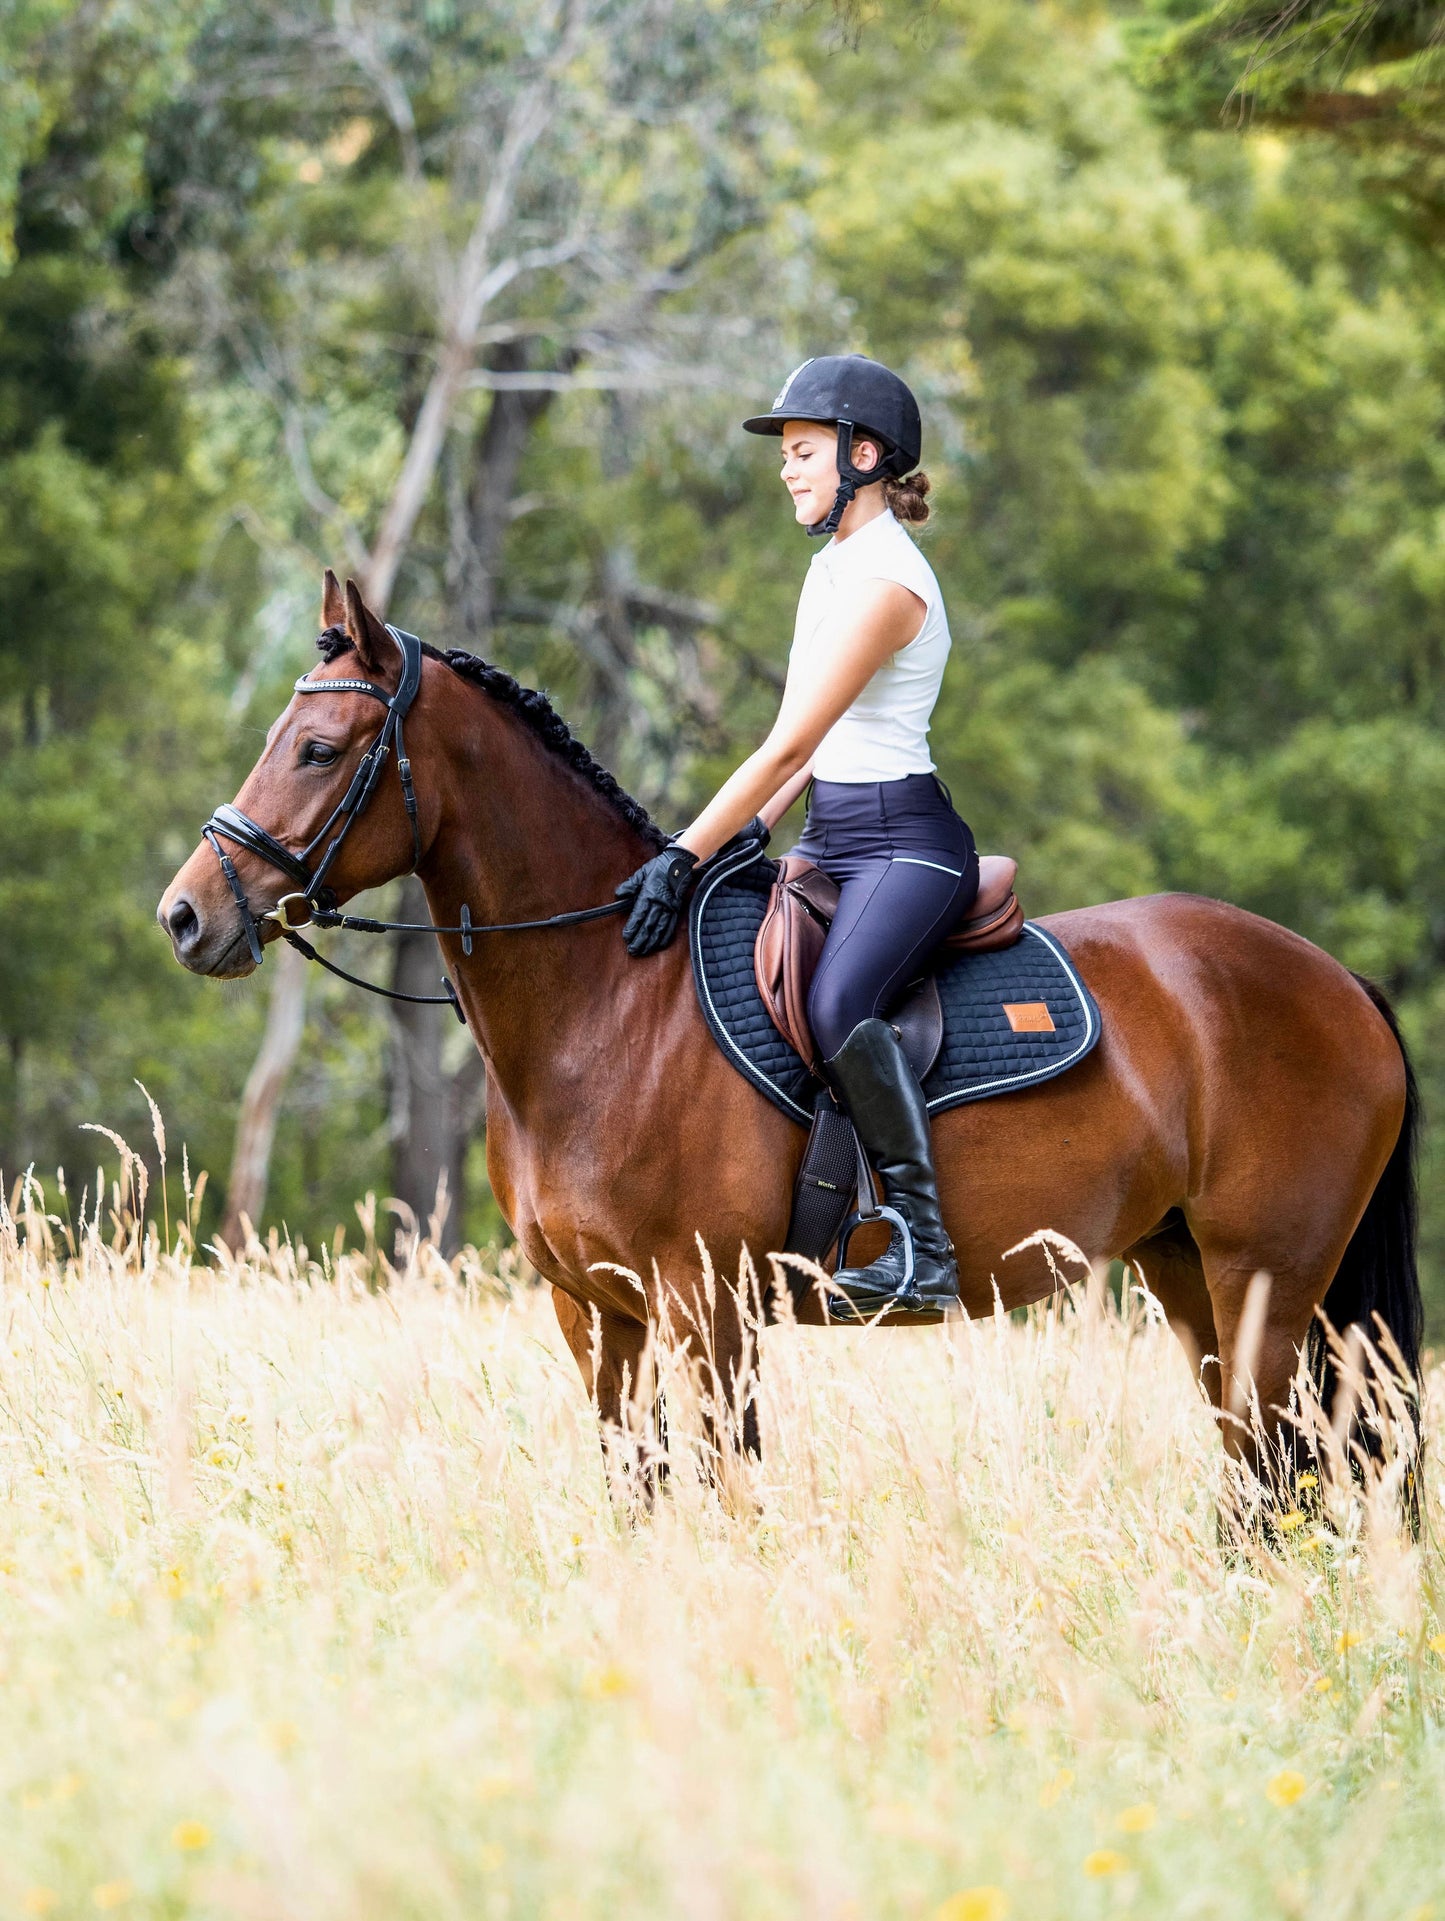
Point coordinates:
pixel 522 837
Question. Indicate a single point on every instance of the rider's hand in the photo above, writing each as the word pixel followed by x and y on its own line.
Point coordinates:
pixel 658 892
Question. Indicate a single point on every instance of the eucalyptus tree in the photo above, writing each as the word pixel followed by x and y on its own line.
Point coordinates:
pixel 402 232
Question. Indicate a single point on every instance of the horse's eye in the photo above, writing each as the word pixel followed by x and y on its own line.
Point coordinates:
pixel 317 753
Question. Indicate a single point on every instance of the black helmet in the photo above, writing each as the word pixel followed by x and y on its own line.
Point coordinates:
pixel 853 394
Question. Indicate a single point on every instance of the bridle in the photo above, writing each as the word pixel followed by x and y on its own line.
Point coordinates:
pixel 311 892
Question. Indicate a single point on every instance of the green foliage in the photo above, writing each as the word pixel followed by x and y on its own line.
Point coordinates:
pixel 1184 387
pixel 1368 75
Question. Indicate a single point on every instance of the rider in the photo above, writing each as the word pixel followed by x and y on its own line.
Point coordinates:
pixel 867 660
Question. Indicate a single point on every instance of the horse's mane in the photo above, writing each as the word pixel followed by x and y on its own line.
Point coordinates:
pixel 536 712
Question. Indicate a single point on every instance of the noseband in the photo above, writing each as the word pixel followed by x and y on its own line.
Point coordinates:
pixel 312 894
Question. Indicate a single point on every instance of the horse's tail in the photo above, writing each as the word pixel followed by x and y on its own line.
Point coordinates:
pixel 1377 1284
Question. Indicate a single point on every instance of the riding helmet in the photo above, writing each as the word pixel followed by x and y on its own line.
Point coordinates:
pixel 855 395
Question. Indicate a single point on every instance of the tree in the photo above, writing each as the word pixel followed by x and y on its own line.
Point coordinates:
pixel 1368 75
pixel 467 190
pixel 102 516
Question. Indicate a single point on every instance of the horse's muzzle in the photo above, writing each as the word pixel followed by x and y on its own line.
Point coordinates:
pixel 212 944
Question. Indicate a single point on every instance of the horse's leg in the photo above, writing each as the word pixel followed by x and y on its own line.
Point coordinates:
pixel 720 1339
pixel 1173 1270
pixel 614 1359
pixel 1264 1285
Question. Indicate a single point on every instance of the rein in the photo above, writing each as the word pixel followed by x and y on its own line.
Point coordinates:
pixel 319 900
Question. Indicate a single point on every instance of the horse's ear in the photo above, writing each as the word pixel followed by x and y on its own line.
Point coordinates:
pixel 333 602
pixel 368 634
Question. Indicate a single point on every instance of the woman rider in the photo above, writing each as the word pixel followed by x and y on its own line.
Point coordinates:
pixel 867 660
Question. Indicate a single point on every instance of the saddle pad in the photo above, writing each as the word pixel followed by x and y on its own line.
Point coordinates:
pixel 995 1039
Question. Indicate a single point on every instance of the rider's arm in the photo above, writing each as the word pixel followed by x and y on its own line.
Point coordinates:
pixel 772 811
pixel 884 618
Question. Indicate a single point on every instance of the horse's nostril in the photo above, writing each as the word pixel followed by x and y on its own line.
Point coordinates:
pixel 182 922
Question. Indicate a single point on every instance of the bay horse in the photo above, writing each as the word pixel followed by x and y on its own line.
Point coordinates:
pixel 1249 1109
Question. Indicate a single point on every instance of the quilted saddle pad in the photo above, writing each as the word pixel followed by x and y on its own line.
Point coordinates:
pixel 982 1053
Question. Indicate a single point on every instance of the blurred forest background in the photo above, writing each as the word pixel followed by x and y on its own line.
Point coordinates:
pixel 468 300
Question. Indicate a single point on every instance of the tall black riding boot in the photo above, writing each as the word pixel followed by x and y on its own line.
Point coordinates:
pixel 878 1087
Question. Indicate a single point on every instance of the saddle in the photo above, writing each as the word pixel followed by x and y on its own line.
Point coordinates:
pixel 795 925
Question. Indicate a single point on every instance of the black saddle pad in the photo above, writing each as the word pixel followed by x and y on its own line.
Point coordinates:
pixel 981 1053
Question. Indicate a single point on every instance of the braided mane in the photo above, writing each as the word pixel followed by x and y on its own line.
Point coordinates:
pixel 535 712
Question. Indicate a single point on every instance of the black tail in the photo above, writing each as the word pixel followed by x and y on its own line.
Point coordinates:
pixel 1377 1276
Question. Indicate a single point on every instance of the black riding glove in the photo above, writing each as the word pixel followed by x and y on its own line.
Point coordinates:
pixel 658 892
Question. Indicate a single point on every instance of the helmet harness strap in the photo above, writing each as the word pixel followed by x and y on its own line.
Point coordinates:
pixel 850 479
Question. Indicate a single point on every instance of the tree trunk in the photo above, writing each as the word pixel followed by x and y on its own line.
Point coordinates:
pixel 422 1150
pixel 433 1113
pixel 261 1100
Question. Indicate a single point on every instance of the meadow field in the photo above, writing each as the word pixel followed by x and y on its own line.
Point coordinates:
pixel 314 1603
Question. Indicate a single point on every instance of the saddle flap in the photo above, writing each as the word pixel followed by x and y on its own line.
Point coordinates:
pixel 918 1018
pixel 789 945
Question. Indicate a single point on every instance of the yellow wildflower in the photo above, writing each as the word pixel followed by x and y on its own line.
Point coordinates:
pixel 1286 1787
pixel 1104 1861
pixel 602 1682
pixel 1138 1819
pixel 190 1836
pixel 1054 1790
pixel 1289 1522
pixel 1436 1644
pixel 38 1900
pixel 1349 1639
pixel 111 1894
pixel 973 1904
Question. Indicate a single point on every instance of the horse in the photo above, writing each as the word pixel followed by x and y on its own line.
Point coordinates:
pixel 1248 1112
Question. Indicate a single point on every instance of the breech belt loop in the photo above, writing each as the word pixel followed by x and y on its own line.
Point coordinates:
pixel 313 897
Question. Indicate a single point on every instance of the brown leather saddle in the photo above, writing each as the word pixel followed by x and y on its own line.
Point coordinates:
pixel 790 942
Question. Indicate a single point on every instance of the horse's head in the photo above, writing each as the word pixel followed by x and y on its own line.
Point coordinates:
pixel 319 778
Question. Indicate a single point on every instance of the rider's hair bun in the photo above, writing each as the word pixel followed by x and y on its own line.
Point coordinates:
pixel 908 498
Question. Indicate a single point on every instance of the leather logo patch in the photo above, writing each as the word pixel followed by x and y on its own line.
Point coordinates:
pixel 1029 1017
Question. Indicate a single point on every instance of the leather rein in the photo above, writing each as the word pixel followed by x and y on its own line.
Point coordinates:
pixel 312 894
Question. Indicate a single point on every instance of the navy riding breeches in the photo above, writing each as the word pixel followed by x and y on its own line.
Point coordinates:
pixel 907 871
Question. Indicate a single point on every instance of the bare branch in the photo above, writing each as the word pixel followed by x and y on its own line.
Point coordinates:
pixel 273 382
pixel 360 44
pixel 593 380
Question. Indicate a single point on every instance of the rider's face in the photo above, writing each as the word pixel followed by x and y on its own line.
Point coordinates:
pixel 810 467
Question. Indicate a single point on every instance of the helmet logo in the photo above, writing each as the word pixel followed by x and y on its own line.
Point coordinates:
pixel 787 384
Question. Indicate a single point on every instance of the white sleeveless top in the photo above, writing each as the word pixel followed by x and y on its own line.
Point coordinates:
pixel 884 734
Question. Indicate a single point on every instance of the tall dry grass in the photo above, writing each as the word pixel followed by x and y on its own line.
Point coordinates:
pixel 314 1604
